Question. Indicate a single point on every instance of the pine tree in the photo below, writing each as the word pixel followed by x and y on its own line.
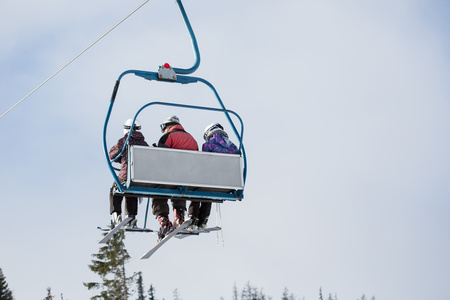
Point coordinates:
pixel 49 294
pixel 140 287
pixel 151 293
pixel 175 295
pixel 235 292
pixel 5 293
pixel 109 264
pixel 250 292
pixel 363 297
pixel 286 295
pixel 247 292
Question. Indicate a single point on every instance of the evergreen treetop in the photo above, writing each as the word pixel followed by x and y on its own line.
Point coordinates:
pixel 5 293
pixel 109 264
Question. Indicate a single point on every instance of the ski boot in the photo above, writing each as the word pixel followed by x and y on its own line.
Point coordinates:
pixel 166 227
pixel 131 224
pixel 202 223
pixel 116 218
pixel 178 217
pixel 194 224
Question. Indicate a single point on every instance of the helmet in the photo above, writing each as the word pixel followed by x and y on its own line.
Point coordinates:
pixel 127 125
pixel 210 129
pixel 169 121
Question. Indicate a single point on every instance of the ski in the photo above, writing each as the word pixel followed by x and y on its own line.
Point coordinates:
pixel 216 228
pixel 166 238
pixel 114 230
pixel 135 229
pixel 185 233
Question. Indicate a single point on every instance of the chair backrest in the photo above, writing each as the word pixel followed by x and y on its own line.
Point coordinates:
pixel 172 168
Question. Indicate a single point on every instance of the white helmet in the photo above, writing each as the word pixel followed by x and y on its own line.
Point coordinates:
pixel 127 126
pixel 210 129
pixel 172 120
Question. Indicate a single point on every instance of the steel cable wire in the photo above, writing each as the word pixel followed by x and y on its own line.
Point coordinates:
pixel 78 55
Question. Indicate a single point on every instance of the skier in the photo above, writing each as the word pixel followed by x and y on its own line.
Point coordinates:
pixel 216 140
pixel 174 136
pixel 131 203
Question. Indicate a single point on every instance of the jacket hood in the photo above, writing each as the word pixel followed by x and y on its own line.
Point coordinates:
pixel 136 135
pixel 176 127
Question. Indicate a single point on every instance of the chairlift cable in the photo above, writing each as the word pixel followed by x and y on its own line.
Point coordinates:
pixel 87 48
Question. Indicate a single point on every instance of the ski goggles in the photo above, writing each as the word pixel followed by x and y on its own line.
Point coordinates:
pixel 165 125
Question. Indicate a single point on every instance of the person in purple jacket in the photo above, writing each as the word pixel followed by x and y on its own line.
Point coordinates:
pixel 216 140
pixel 131 203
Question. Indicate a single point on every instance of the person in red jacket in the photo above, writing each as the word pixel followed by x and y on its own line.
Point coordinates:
pixel 174 136
pixel 131 203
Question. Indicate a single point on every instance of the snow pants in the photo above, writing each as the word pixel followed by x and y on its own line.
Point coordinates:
pixel 200 210
pixel 115 203
pixel 160 207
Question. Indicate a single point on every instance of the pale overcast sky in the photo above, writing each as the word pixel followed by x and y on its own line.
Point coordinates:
pixel 346 111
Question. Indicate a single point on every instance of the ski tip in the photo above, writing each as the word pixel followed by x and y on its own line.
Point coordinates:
pixel 138 230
